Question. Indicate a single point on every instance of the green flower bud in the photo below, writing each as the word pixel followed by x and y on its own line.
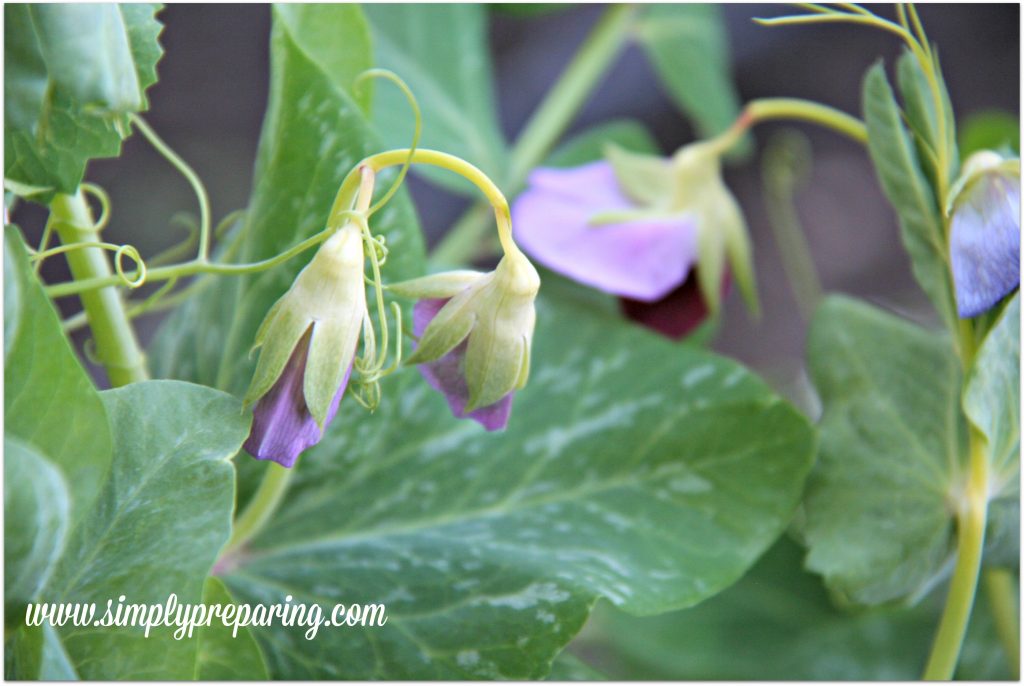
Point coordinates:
pixel 329 297
pixel 494 313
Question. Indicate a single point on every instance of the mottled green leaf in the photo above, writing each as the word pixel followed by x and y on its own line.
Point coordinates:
pixel 992 403
pixel 45 386
pixel 221 656
pixel 441 51
pixel 893 444
pixel 568 667
pixel 777 623
pixel 903 181
pixel 72 73
pixel 688 46
pixel 36 508
pixel 632 469
pixel 163 515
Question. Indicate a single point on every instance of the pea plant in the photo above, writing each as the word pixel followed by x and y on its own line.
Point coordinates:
pixel 514 457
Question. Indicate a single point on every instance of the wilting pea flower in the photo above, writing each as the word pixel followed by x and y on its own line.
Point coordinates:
pixel 636 225
pixel 308 343
pixel 475 331
pixel 984 240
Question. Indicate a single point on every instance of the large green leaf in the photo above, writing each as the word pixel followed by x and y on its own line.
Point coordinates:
pixel 777 623
pixel 893 444
pixel 223 656
pixel 905 185
pixel 441 51
pixel 72 73
pixel 688 46
pixel 313 135
pixel 49 400
pixel 992 403
pixel 36 505
pixel 632 470
pixel 163 515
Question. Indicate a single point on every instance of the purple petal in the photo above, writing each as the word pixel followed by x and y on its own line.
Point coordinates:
pixel 282 426
pixel 985 244
pixel 447 374
pixel 678 313
pixel 643 260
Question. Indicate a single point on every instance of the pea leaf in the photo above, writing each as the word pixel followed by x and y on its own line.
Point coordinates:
pixel 452 78
pixel 314 133
pixel 688 47
pixel 632 470
pixel 72 74
pixel 777 623
pixel 160 521
pixel 923 118
pixel 36 505
pixel 991 401
pixel 45 386
pixel 893 445
pixel 221 655
pixel 990 130
pixel 568 667
pixel 903 181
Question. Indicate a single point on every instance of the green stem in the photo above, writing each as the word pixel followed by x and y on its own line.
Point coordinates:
pixel 546 125
pixel 765 109
pixel 116 345
pixel 262 505
pixel 998 584
pixel 963 586
pixel 571 91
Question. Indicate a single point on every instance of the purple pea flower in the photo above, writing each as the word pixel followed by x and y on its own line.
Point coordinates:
pixel 639 226
pixel 475 331
pixel 307 347
pixel 282 425
pixel 448 375
pixel 984 238
pixel 642 259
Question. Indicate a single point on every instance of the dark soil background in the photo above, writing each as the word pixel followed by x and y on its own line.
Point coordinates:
pixel 212 92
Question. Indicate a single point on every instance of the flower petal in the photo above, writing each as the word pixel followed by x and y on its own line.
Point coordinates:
pixel 638 259
pixel 282 426
pixel 677 314
pixel 985 244
pixel 447 375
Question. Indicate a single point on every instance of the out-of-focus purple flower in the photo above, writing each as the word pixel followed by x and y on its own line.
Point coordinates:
pixel 984 237
pixel 676 315
pixel 636 226
pixel 282 426
pixel 643 259
pixel 307 346
pixel 448 375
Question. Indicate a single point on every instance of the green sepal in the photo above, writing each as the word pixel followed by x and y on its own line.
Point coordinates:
pixel 443 285
pixel 645 179
pixel 446 330
pixel 711 264
pixel 494 364
pixel 331 352
pixel 282 330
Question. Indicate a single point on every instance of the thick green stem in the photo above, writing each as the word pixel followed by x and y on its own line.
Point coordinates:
pixel 263 504
pixel 971 522
pixel 998 584
pixel 546 126
pixel 116 345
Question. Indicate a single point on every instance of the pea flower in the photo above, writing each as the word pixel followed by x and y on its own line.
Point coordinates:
pixel 984 240
pixel 308 344
pixel 475 331
pixel 637 226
